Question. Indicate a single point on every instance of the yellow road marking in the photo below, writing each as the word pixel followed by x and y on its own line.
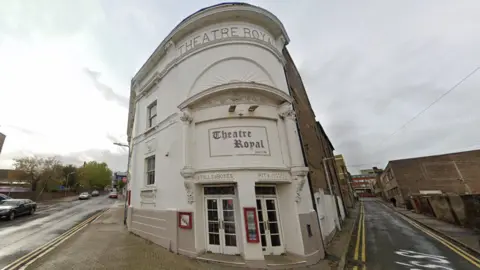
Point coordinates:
pixel 448 244
pixel 37 251
pixel 359 230
pixel 445 242
pixel 363 237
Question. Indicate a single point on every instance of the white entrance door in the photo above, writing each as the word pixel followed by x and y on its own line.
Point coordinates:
pixel 221 227
pixel 269 225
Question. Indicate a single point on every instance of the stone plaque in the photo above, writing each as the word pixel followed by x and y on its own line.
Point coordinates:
pixel 238 141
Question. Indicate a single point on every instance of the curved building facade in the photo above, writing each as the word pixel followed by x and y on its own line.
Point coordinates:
pixel 216 163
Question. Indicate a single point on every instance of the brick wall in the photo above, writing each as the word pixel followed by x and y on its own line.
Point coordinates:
pixel 436 173
pixel 312 145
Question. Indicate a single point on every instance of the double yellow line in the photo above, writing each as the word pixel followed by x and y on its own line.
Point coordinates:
pixel 473 260
pixel 32 256
pixel 360 245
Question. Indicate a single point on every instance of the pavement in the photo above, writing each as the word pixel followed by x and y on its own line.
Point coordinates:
pixel 106 244
pixel 27 233
pixel 386 239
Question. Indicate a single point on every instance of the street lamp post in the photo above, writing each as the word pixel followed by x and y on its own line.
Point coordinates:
pixel 128 180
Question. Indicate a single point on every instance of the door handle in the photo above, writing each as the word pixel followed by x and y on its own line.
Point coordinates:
pixel 221 224
pixel 266 225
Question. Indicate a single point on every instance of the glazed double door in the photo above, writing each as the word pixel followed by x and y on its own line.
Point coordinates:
pixel 221 227
pixel 269 226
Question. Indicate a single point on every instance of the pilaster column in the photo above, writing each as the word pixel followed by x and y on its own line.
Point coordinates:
pixel 186 119
pixel 287 113
pixel 187 171
pixel 298 169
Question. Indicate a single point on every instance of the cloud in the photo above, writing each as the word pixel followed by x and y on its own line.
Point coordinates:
pixel 367 68
pixel 106 90
pixel 24 130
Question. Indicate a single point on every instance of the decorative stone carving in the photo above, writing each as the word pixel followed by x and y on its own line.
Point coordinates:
pixel 300 182
pixel 148 196
pixel 189 186
pixel 151 146
pixel 234 99
pixel 186 117
pixel 187 173
pixel 169 45
pixel 299 175
pixel 289 114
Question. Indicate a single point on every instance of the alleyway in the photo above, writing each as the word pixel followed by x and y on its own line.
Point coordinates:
pixel 389 240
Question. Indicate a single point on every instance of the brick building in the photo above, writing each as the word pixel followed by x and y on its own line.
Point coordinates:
pixel 448 173
pixel 317 147
pixel 363 183
pixel 344 179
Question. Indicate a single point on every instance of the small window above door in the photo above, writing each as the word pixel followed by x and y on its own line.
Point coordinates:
pixel 220 190
pixel 265 190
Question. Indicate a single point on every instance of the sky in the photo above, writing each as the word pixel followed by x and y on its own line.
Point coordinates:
pixel 369 68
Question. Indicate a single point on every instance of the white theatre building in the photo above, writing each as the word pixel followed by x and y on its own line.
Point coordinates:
pixel 216 163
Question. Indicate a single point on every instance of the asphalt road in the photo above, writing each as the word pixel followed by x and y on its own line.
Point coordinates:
pixel 26 233
pixel 392 242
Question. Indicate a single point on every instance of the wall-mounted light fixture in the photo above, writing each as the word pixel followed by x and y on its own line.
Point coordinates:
pixel 232 108
pixel 252 108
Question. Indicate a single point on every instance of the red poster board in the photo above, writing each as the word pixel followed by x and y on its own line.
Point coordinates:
pixel 185 220
pixel 251 224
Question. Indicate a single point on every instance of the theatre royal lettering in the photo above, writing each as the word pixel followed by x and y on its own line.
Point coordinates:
pixel 223 33
pixel 232 141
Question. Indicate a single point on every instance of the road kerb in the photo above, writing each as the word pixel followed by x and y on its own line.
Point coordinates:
pixel 343 258
pixel 471 250
pixel 40 250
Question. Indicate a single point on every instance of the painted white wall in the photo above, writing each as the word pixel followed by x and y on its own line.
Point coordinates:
pixel 168 163
pixel 289 214
pixel 342 210
pixel 327 212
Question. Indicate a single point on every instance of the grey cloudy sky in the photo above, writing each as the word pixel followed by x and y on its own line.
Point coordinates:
pixel 369 67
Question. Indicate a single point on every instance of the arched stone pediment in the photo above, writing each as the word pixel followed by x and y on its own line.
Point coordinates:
pixel 229 70
pixel 236 93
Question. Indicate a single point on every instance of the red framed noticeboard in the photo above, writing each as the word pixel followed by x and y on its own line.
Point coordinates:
pixel 185 220
pixel 251 224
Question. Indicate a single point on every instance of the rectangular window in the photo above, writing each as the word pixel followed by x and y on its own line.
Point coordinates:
pixel 150 164
pixel 152 114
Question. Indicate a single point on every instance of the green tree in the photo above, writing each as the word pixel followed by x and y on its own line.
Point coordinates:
pixel 94 175
pixel 69 172
pixel 37 169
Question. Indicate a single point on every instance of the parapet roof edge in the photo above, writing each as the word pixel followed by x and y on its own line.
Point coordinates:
pixel 143 71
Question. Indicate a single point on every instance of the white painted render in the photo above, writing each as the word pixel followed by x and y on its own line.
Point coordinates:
pixel 194 87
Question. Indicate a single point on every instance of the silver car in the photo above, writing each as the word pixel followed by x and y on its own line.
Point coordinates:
pixel 84 196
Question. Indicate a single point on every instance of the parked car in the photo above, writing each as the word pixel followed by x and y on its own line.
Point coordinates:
pixel 95 193
pixel 113 195
pixel 12 208
pixel 84 196
pixel 3 197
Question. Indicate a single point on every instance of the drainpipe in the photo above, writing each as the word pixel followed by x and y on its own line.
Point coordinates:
pixel 327 175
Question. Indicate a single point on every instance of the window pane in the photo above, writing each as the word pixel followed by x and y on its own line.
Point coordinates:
pixel 213 239
pixel 153 120
pixel 275 240
pixel 230 240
